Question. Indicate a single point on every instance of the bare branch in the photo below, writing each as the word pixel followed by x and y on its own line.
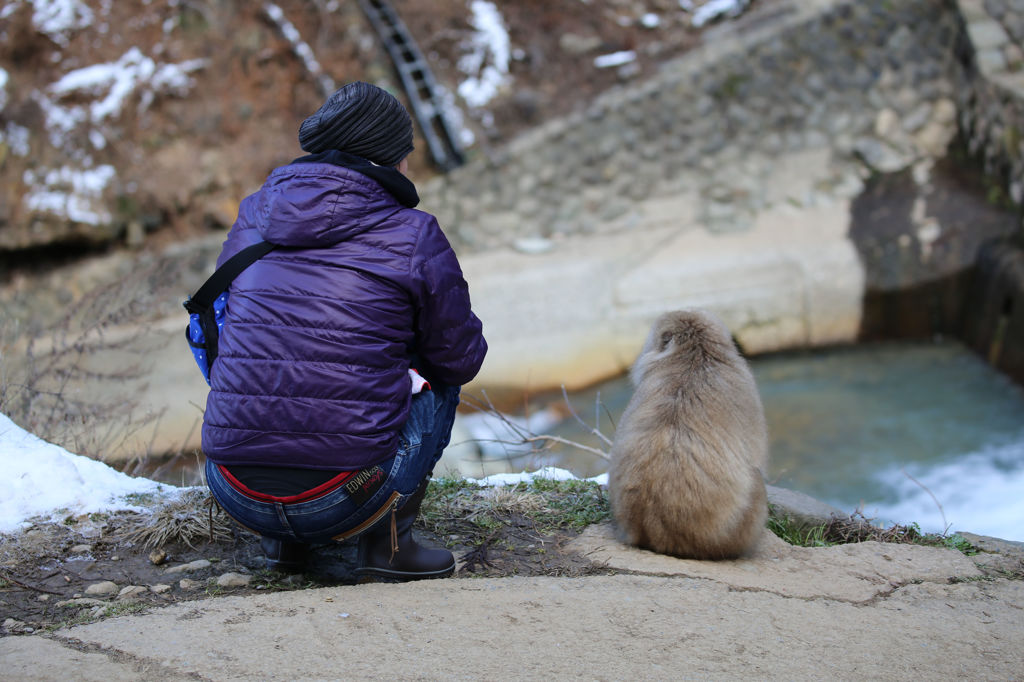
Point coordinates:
pixel 593 430
pixel 565 441
pixel 942 512
pixel 523 435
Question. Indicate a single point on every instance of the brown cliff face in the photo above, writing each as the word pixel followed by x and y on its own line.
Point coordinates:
pixel 188 105
pixel 184 155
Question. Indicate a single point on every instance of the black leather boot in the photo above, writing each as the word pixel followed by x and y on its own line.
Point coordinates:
pixel 388 549
pixel 287 557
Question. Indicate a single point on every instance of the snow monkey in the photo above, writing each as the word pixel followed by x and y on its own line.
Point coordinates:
pixel 687 459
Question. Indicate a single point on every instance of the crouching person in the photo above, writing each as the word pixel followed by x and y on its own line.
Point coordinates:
pixel 343 350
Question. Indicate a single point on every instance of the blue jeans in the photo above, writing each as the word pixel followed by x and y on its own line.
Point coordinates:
pixel 336 515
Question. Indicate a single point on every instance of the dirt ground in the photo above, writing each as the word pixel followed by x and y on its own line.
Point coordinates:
pixel 46 570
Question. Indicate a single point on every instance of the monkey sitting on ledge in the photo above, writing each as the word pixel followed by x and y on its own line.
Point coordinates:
pixel 689 451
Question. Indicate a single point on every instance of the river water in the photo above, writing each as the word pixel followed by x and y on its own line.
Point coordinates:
pixel 895 429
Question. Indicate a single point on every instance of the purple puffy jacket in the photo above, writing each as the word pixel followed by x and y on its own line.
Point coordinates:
pixel 313 361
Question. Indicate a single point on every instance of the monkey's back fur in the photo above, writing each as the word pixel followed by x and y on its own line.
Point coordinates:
pixel 687 459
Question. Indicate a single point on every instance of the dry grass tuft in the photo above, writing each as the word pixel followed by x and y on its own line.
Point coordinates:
pixel 190 517
pixel 508 500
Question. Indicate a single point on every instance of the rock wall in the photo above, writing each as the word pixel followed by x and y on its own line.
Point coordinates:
pixel 874 84
pixel 991 107
pixel 990 93
pixel 118 120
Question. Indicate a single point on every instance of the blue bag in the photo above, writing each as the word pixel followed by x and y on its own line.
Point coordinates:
pixel 197 339
pixel 208 307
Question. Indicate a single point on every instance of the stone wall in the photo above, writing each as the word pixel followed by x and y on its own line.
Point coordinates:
pixel 873 83
pixel 990 96
pixel 991 107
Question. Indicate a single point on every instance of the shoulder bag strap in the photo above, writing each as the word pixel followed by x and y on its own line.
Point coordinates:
pixel 225 274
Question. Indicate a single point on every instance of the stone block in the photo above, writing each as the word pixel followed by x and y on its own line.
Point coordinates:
pixel 991 60
pixel 987 34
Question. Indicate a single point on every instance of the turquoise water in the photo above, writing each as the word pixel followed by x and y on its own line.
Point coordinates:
pixel 856 427
pixel 851 426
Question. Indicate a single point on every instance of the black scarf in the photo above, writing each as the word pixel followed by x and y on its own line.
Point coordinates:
pixel 399 186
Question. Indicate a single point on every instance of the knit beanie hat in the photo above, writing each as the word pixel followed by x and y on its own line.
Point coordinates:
pixel 363 120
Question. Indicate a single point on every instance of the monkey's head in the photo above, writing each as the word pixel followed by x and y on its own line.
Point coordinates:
pixel 684 336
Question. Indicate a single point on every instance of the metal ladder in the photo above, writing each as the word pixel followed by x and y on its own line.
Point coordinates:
pixel 418 81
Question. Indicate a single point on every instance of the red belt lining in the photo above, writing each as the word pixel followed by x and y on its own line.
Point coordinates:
pixel 306 496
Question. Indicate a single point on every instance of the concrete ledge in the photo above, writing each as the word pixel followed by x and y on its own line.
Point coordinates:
pixel 725 624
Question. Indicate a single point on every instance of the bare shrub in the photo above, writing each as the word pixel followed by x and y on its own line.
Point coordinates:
pixel 191 516
pixel 76 381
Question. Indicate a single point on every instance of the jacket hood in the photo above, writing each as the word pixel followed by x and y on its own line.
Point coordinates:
pixel 317 204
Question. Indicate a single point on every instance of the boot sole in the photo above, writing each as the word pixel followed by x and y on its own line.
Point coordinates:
pixel 405 575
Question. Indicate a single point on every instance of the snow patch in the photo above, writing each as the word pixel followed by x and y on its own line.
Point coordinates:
pixel 615 59
pixel 59 120
pixel 486 63
pixel 301 48
pixel 16 138
pixel 70 193
pixel 4 78
pixel 42 479
pixel 114 82
pixel 453 115
pixel 650 20
pixel 716 9
pixel 57 18
pixel 547 473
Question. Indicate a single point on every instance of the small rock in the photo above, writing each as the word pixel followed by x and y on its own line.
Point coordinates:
pixel 189 585
pixel 800 508
pixel 234 580
pixel 1014 56
pixel 913 121
pixel 160 589
pixel 944 112
pixel 115 558
pixel 81 601
pixel 991 61
pixel 934 138
pixel 80 549
pixel 880 156
pixel 196 565
pixel 157 557
pixel 44 597
pixel 102 589
pixel 987 35
pixel 886 123
pixel 575 44
pixel 13 625
pixel 131 591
